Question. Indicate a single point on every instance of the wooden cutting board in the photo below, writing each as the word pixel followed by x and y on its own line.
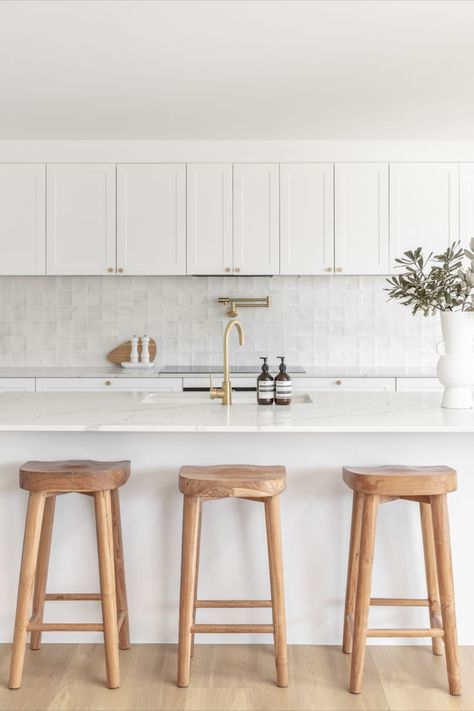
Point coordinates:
pixel 121 354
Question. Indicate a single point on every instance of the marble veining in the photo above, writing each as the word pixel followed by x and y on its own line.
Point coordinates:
pixel 194 412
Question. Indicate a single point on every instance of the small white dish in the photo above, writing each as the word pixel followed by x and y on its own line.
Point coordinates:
pixel 127 364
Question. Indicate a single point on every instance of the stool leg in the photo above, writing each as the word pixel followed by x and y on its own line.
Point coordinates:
pixel 191 508
pixel 364 583
pixel 120 586
pixel 431 575
pixel 439 511
pixel 42 568
pixel 272 520
pixel 31 541
pixel 103 517
pixel 197 574
pixel 352 571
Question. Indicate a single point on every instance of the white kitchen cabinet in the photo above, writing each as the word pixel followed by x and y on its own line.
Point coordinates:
pixel 81 219
pixel 165 385
pixel 466 203
pixel 405 385
pixel 22 219
pixel 361 218
pixel 340 384
pixel 24 385
pixel 424 207
pixel 256 219
pixel 306 218
pixel 209 219
pixel 151 219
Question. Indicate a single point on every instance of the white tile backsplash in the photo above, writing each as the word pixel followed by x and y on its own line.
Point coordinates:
pixel 314 321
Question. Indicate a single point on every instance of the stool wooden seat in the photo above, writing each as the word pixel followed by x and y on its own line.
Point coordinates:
pixel 236 481
pixel 428 486
pixel 255 483
pixel 74 475
pixel 44 481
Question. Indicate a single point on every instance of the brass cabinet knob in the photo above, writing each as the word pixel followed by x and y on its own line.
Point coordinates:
pixel 338 269
pixel 227 269
pixel 110 269
pixel 328 269
pixel 120 270
pixel 338 382
pixel 108 382
pixel 237 269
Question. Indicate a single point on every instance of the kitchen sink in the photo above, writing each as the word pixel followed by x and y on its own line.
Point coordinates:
pixel 238 398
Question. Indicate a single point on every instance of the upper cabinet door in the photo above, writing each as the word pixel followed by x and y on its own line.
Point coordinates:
pixel 209 210
pixel 424 207
pixel 306 218
pixel 81 219
pixel 256 219
pixel 22 219
pixel 151 219
pixel 466 213
pixel 361 218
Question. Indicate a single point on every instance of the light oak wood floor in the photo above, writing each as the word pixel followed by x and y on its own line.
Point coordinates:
pixel 70 677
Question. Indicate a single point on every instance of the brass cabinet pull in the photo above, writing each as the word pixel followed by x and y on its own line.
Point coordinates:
pixel 338 382
pixel 328 269
pixel 338 269
pixel 237 269
pixel 227 269
pixel 120 269
pixel 108 382
pixel 110 269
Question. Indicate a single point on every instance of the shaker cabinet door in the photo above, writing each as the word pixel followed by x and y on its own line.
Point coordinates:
pixel 151 219
pixel 306 218
pixel 22 219
pixel 81 219
pixel 424 207
pixel 361 218
pixel 256 219
pixel 209 219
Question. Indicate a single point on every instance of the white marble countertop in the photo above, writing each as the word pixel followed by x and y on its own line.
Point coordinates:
pixel 111 371
pixel 193 412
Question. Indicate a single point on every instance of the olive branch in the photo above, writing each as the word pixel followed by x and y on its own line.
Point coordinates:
pixel 436 283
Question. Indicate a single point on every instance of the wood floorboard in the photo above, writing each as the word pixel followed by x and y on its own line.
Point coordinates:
pixel 70 677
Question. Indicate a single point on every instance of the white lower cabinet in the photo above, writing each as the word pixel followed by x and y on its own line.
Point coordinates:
pixel 338 384
pixel 165 385
pixel 19 385
pixel 405 385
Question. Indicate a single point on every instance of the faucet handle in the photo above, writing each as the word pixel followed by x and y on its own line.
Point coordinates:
pixel 215 393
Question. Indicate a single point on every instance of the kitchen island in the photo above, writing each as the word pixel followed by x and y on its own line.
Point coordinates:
pixel 313 437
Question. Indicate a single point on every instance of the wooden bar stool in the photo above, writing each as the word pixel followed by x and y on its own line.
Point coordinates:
pixel 427 486
pixel 44 481
pixel 199 484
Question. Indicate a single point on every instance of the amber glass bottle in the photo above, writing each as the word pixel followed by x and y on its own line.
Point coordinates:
pixel 265 386
pixel 282 385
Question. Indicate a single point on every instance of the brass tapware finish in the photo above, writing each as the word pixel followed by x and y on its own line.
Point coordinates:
pixel 224 393
pixel 243 302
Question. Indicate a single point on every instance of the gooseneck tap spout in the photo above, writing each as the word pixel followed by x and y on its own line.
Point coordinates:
pixel 225 392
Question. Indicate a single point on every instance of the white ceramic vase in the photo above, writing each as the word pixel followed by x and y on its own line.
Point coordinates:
pixel 456 366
